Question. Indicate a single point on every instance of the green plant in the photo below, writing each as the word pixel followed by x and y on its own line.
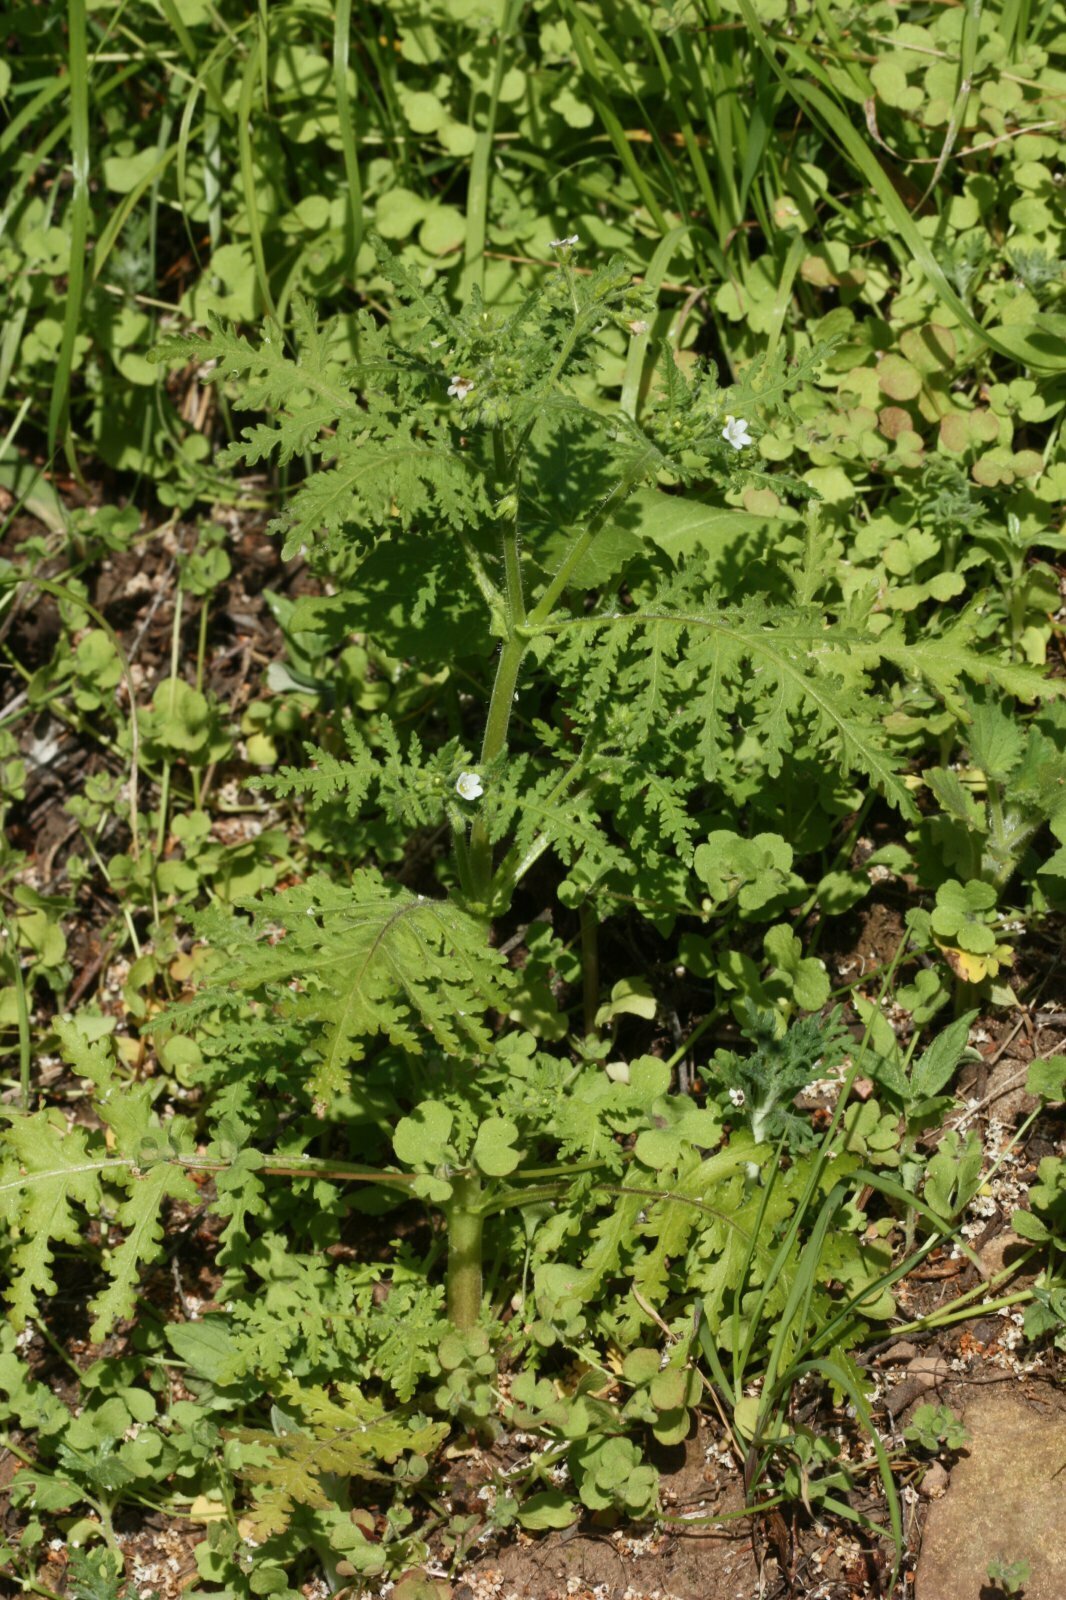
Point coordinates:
pixel 93 1575
pixel 785 1331
pixel 760 1088
pixel 618 674
pixel 1044 1222
pixel 368 1005
pixel 936 1428
pixel 1010 1577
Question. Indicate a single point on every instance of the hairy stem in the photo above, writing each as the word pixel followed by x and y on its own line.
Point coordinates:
pixel 590 965
pixel 465 1221
pixel 494 742
pixel 512 560
pixel 512 566
pixel 503 691
pixel 582 540
pixel 479 854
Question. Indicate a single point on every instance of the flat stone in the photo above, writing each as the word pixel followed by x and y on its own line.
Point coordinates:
pixel 902 1350
pixel 934 1486
pixel 997 1254
pixel 1004 1500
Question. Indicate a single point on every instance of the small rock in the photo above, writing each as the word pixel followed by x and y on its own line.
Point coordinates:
pixel 897 1354
pixel 931 1370
pixel 1006 1094
pixel 923 1374
pixel 993 1256
pixel 935 1482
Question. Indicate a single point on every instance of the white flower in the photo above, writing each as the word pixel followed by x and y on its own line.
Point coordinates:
pixel 736 432
pixel 737 1097
pixel 639 326
pixel 564 244
pixel 468 786
pixel 460 387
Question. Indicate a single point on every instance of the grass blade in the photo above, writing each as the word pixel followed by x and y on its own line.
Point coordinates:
pixel 247 167
pixel 838 1375
pixel 22 1009
pixel 967 58
pixel 119 217
pixel 796 252
pixel 653 278
pixel 78 67
pixel 353 221
pixel 477 195
pixel 587 42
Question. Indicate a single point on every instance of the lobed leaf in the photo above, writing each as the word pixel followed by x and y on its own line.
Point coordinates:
pixel 358 961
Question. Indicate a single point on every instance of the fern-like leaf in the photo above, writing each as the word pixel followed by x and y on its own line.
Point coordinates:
pixel 48 1174
pixel 945 660
pixel 329 778
pixel 375 480
pixel 357 962
pixel 52 1175
pixel 348 1435
pixel 140 1216
pixel 784 668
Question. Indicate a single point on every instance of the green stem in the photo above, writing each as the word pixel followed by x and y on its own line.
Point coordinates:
pixel 19 1454
pixel 697 1033
pixel 353 214
pixel 503 690
pixel 175 662
pixel 558 1171
pixel 493 744
pixel 479 855
pixel 164 803
pixel 462 861
pixel 590 965
pixel 944 1319
pixel 1016 604
pixel 201 659
pixel 201 643
pixel 995 810
pixel 516 600
pixel 465 1222
pixel 582 541
pixel 102 869
pixel 34 1587
pixel 22 1011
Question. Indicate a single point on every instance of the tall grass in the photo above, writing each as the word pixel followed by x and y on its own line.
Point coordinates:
pixel 706 118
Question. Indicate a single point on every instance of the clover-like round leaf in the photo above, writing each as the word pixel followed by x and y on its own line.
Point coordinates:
pixel 494 1151
pixel 421 1140
pixel 898 379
